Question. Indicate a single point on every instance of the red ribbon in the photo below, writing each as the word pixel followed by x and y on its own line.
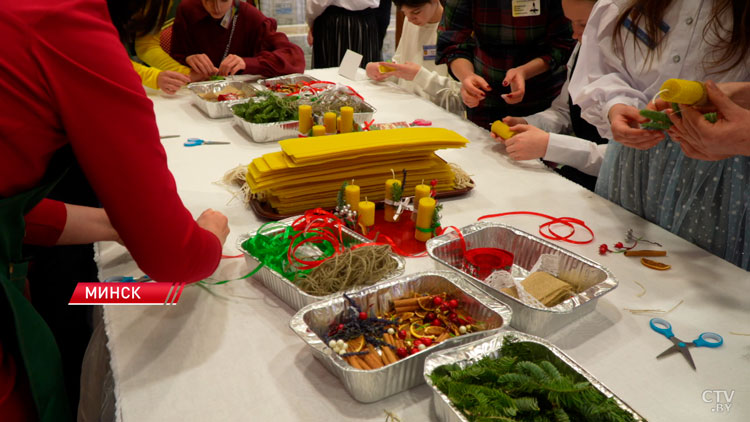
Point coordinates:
pixel 545 229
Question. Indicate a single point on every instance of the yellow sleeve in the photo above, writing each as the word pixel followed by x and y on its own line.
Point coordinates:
pixel 148 49
pixel 148 75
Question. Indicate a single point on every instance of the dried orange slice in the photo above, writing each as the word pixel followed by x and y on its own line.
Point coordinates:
pixel 405 316
pixel 356 345
pixel 655 265
pixel 427 303
pixel 418 331
pixel 434 331
pixel 420 314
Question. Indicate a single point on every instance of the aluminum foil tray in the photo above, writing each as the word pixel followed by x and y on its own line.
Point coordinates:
pixel 467 354
pixel 215 109
pixel 286 79
pixel 365 115
pixel 287 290
pixel 312 322
pixel 589 278
pixel 268 132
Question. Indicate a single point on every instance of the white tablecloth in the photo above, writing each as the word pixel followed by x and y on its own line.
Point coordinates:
pixel 232 357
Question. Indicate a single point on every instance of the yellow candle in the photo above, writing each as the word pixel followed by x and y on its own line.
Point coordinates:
pixel 420 191
pixel 329 120
pixel 502 130
pixel 351 196
pixel 347 119
pixel 366 213
pixel 389 209
pixel 424 218
pixel 319 130
pixel 305 118
pixel 338 123
pixel 681 91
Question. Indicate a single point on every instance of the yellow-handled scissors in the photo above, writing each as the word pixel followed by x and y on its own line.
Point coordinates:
pixel 707 339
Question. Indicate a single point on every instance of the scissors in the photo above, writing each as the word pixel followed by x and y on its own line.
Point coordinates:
pixel 706 339
pixel 194 142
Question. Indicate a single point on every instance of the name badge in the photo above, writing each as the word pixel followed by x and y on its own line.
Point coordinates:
pixel 523 8
pixel 227 19
pixel 429 52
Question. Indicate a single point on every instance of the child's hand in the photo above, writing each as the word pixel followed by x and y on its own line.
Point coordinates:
pixel 407 71
pixel 517 80
pixel 625 120
pixel 512 121
pixel 528 143
pixel 373 71
pixel 231 65
pixel 170 81
pixel 201 64
pixel 473 88
pixel 309 37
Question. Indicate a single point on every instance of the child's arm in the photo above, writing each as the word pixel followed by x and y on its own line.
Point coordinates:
pixel 278 56
pixel 579 153
pixel 148 49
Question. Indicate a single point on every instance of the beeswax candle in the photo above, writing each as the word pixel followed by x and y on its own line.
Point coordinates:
pixel 426 208
pixel 329 120
pixel 502 130
pixel 347 119
pixel 338 123
pixel 319 130
pixel 420 191
pixel 682 91
pixel 351 196
pixel 389 210
pixel 305 118
pixel 366 211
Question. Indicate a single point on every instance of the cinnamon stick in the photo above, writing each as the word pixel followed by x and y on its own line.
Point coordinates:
pixel 353 361
pixel 400 303
pixel 362 363
pixel 373 358
pixel 645 252
pixel 406 308
pixel 388 355
pixel 443 337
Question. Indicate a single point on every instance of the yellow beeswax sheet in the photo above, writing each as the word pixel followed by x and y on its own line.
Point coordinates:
pixel 358 144
pixel 354 171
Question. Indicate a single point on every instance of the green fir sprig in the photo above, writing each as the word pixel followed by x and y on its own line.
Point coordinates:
pixel 397 192
pixel 436 216
pixel 526 383
pixel 340 201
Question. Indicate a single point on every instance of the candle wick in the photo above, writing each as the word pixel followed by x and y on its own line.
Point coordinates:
pixel 653 100
pixel 393 173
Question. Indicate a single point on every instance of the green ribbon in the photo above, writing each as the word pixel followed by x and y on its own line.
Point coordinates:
pixel 428 230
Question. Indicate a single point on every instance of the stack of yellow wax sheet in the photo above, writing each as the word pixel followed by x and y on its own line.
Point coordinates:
pixel 308 172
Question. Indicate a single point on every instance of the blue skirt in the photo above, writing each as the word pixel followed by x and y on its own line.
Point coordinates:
pixel 705 202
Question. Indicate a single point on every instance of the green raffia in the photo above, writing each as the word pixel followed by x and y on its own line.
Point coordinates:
pixel 271 249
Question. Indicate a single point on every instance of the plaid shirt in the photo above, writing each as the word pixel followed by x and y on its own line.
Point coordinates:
pixel 486 33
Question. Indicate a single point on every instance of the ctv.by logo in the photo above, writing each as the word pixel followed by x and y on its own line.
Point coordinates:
pixel 721 400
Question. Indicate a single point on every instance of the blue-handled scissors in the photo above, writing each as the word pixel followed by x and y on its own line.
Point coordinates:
pixel 194 142
pixel 706 339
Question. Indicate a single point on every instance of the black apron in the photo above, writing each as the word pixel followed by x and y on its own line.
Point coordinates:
pixel 24 332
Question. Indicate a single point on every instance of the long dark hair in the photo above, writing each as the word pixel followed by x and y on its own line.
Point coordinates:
pixel 134 18
pixel 733 43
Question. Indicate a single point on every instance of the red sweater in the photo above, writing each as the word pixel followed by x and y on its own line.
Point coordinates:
pixel 66 79
pixel 265 51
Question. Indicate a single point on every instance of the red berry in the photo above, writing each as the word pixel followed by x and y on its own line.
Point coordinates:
pixel 414 350
pixel 427 341
pixel 401 352
pixel 437 300
pixel 453 303
pixel 402 334
pixel 444 307
pixel 363 315
pixel 417 343
pixel 619 245
pixel 452 317
pixel 430 316
pixel 603 249
pixel 462 321
pixel 436 322
pixel 341 327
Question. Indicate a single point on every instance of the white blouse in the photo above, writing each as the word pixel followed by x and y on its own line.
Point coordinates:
pixel 315 8
pixel 602 79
